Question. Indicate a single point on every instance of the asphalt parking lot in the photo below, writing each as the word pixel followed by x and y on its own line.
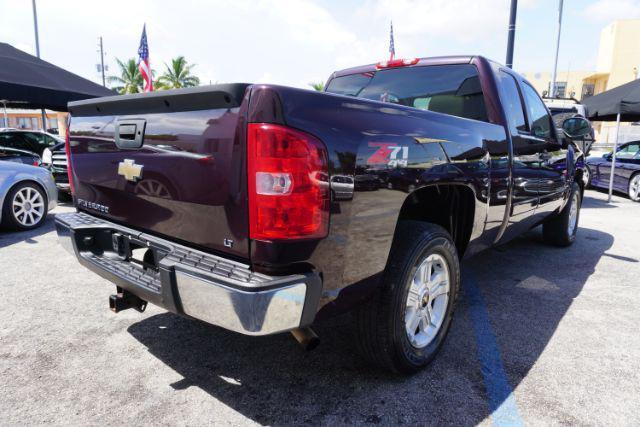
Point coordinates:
pixel 542 336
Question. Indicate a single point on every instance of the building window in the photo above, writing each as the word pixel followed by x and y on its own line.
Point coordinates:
pixel 35 123
pixel 3 124
pixel 587 90
pixel 561 89
pixel 24 122
pixel 52 123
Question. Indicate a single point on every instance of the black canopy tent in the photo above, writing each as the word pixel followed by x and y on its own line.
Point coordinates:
pixel 29 82
pixel 621 103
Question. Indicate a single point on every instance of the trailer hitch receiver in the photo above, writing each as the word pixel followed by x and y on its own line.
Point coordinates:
pixel 124 300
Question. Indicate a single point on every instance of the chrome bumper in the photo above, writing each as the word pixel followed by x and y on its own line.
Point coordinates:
pixel 213 289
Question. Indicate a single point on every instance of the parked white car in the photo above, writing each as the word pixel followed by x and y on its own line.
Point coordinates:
pixel 27 193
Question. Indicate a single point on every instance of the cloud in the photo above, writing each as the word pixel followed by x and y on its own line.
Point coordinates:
pixel 605 11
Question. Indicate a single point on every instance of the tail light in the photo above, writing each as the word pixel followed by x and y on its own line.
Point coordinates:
pixel 397 63
pixel 67 151
pixel 288 185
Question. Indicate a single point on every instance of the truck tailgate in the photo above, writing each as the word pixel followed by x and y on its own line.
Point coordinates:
pixel 170 163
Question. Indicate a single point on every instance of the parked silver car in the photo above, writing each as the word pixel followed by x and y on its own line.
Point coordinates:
pixel 27 193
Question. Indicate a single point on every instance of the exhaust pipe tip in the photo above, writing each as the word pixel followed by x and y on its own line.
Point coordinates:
pixel 307 339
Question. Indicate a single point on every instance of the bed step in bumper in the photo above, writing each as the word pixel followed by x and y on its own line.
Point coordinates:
pixel 189 282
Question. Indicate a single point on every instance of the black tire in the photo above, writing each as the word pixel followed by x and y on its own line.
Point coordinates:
pixel 556 229
pixel 380 323
pixel 9 219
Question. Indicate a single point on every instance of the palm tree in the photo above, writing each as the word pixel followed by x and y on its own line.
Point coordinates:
pixel 130 79
pixel 178 75
pixel 319 86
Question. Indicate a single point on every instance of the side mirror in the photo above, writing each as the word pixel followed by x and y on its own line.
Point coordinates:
pixel 576 127
pixel 607 156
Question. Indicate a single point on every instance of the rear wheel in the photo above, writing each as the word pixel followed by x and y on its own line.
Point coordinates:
pixel 586 176
pixel 561 229
pixel 634 188
pixel 25 207
pixel 404 325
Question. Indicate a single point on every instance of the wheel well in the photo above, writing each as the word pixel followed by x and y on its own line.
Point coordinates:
pixel 450 206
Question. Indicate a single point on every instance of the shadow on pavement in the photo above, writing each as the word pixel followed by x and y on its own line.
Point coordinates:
pixel 9 237
pixel 595 203
pixel 527 288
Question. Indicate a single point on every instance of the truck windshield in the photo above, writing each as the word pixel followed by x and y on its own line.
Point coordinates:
pixel 448 89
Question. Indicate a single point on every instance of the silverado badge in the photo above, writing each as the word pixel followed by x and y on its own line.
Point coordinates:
pixel 130 170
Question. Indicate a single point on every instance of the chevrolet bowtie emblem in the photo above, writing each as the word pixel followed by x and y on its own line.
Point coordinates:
pixel 130 170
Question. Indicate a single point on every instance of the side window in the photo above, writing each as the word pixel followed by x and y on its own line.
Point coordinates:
pixel 513 103
pixel 7 140
pixel 34 139
pixel 628 152
pixel 538 117
pixel 50 142
pixel 21 143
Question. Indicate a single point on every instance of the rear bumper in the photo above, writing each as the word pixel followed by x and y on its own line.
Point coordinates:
pixel 193 283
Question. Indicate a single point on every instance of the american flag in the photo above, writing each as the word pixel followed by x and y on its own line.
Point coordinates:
pixel 392 48
pixel 143 62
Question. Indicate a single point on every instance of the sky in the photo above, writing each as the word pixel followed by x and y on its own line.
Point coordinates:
pixel 301 41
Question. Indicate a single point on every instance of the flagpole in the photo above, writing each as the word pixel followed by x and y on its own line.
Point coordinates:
pixel 552 89
pixel 35 28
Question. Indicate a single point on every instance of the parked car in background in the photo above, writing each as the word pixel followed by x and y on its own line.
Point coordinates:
pixel 33 141
pixel 367 182
pixel 27 193
pixel 627 172
pixel 342 187
pixel 562 109
pixel 19 156
pixel 55 159
pixel 568 106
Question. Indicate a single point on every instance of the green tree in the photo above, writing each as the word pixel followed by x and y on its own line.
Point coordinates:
pixel 130 79
pixel 319 86
pixel 177 75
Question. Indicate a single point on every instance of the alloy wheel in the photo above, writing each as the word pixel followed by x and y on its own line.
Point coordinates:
pixel 28 206
pixel 586 175
pixel 427 300
pixel 634 188
pixel 573 214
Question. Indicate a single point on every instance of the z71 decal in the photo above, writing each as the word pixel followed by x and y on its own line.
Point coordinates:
pixel 388 153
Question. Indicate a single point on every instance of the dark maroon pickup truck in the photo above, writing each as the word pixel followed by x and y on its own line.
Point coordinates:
pixel 262 208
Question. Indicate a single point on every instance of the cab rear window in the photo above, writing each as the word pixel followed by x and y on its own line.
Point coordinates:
pixel 450 89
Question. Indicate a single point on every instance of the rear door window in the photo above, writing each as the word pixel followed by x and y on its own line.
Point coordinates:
pixel 449 89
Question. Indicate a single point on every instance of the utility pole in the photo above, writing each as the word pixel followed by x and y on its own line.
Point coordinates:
pixel 35 28
pixel 102 63
pixel 512 32
pixel 552 89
